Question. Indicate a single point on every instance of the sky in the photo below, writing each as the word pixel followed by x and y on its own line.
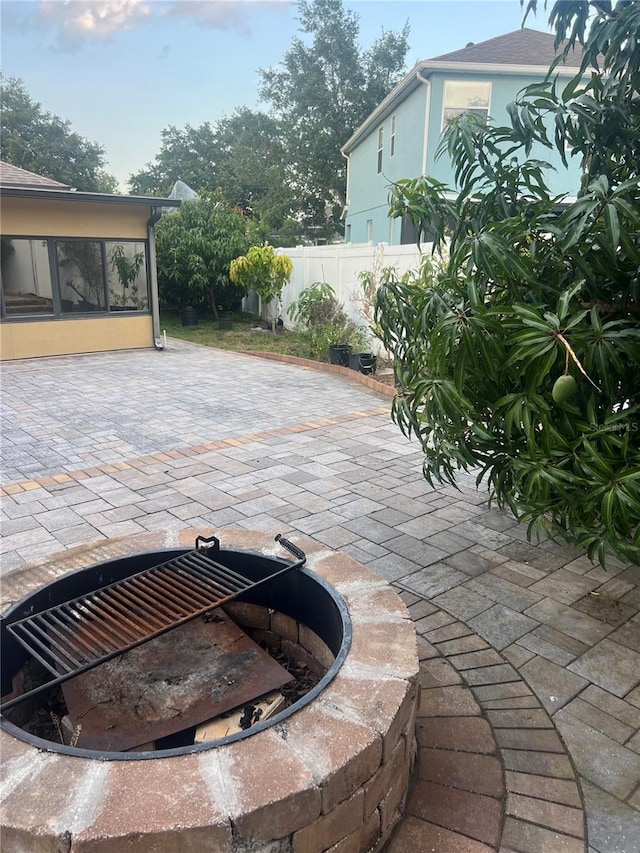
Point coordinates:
pixel 122 70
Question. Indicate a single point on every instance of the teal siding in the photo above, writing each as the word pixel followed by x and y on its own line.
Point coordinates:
pixel 368 191
pixel 503 91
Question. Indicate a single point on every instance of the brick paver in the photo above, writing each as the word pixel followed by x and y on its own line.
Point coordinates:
pixel 518 641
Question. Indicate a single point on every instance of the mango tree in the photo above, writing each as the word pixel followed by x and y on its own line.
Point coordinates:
pixel 265 272
pixel 518 342
pixel 195 246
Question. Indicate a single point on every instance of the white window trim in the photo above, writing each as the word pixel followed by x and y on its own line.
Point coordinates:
pixel 444 105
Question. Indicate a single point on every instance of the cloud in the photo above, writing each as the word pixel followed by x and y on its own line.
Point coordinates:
pixel 221 14
pixel 71 23
pixel 217 14
pixel 75 21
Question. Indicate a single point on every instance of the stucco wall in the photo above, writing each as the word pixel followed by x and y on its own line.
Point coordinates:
pixel 33 339
pixel 368 191
pixel 504 90
pixel 43 218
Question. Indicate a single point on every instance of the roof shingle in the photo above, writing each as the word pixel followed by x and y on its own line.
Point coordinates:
pixel 14 176
pixel 521 47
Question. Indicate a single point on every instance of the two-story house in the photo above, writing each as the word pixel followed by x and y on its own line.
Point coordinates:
pixel 400 137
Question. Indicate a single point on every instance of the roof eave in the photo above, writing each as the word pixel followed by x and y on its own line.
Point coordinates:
pixel 104 198
pixel 395 96
pixel 499 68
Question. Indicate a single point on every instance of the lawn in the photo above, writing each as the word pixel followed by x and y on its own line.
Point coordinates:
pixel 247 334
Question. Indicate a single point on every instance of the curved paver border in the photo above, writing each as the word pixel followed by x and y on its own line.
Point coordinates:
pixel 325 367
pixel 493 773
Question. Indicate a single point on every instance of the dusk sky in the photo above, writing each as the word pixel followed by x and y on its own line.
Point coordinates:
pixel 122 70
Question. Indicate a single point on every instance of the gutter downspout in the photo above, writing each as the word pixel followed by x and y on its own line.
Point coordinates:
pixel 427 117
pixel 345 209
pixel 156 214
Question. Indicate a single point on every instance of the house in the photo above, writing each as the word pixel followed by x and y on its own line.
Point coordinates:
pixel 78 269
pixel 401 136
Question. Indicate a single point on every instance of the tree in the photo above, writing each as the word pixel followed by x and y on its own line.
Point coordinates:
pixel 45 144
pixel 242 155
pixel 189 155
pixel 263 271
pixel 284 169
pixel 253 170
pixel 321 93
pixel 195 246
pixel 519 342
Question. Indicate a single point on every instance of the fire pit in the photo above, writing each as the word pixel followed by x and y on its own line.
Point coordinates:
pixel 333 765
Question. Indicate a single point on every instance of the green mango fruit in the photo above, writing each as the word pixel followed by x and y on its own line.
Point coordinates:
pixel 564 388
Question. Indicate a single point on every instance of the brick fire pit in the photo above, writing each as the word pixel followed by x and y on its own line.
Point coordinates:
pixel 335 772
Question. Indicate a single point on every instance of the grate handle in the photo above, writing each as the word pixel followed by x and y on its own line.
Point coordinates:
pixel 297 552
pixel 207 540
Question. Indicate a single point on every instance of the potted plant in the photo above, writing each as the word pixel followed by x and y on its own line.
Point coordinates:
pixel 339 354
pixel 189 316
pixel 321 318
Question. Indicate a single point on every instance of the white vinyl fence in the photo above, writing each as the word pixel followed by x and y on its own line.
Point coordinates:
pixel 340 265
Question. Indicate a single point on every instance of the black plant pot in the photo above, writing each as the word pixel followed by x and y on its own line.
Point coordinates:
pixel 368 363
pixel 189 317
pixel 339 354
pixel 354 360
pixel 225 323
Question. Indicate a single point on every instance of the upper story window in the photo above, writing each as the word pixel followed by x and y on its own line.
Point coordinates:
pixel 392 141
pixel 380 147
pixel 465 96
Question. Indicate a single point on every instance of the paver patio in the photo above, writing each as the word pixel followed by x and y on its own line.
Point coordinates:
pixel 519 642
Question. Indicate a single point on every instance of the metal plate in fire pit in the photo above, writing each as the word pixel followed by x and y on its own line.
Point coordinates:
pixel 194 673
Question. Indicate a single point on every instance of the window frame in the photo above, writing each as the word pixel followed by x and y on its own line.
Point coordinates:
pixel 52 279
pixel 392 136
pixel 489 83
pixel 56 286
pixel 380 147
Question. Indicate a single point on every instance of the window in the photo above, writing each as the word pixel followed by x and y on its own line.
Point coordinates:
pixel 26 277
pixel 408 231
pixel 380 147
pixel 392 141
pixel 127 277
pixel 347 234
pixel 369 230
pixel 81 270
pixel 62 277
pixel 468 96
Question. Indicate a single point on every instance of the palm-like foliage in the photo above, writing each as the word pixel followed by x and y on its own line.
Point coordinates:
pixel 526 288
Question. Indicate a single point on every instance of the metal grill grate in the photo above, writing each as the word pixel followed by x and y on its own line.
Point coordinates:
pixel 76 636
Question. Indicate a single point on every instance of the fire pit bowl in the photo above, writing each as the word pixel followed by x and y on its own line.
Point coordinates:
pixel 333 766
